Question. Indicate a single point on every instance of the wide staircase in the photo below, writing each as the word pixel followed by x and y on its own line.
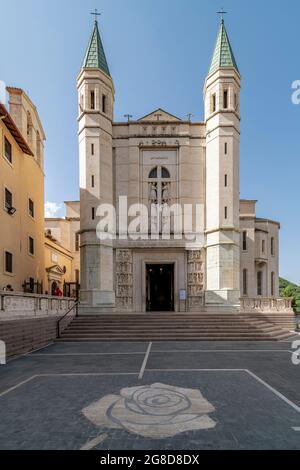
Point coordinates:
pixel 179 327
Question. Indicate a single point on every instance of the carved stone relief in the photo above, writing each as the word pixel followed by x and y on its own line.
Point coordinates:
pixel 195 280
pixel 124 280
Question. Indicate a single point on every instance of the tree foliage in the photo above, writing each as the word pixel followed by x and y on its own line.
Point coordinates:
pixel 288 289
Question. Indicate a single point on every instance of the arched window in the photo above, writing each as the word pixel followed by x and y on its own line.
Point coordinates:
pixel 153 173
pixel 165 173
pixel 160 196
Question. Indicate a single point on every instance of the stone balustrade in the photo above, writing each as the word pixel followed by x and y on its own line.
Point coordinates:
pixel 20 305
pixel 266 305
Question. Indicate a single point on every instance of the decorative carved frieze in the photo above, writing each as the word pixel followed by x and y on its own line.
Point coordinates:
pixel 195 280
pixel 124 279
pixel 32 305
pixel 269 305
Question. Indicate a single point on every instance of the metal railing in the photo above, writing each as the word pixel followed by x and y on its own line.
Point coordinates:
pixel 75 306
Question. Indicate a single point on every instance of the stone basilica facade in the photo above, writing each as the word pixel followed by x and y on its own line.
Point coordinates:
pixel 161 159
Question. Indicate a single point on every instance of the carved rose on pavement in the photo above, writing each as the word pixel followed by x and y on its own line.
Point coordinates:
pixel 155 411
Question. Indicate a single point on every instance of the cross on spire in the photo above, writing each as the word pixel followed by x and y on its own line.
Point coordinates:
pixel 222 12
pixel 95 14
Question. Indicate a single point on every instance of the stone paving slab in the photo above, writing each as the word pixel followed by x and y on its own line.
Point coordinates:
pixel 222 345
pixel 46 413
pixel 28 366
pixel 51 387
pixel 90 347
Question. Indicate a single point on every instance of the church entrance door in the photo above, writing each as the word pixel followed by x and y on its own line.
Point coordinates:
pixel 160 287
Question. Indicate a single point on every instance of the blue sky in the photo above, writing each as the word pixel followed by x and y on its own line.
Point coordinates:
pixel 159 53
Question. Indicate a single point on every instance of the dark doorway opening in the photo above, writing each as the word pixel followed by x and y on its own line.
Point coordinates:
pixel 160 287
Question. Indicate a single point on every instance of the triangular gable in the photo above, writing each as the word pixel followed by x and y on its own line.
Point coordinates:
pixel 164 116
pixel 56 269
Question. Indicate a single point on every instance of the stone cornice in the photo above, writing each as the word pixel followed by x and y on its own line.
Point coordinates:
pixel 222 229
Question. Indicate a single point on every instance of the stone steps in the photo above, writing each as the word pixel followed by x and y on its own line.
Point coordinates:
pixel 284 321
pixel 173 327
pixel 167 337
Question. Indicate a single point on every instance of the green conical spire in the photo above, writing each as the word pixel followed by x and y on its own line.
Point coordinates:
pixel 95 55
pixel 223 55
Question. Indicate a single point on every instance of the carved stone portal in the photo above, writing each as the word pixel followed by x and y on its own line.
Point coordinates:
pixel 195 280
pixel 124 279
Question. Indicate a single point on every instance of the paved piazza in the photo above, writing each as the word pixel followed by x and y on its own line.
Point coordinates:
pixel 169 396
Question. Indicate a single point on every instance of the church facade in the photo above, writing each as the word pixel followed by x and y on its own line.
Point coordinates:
pixel 163 161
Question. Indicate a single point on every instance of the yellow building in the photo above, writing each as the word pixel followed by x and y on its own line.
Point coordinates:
pixel 62 258
pixel 22 194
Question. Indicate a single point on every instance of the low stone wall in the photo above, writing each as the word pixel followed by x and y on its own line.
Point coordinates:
pixel 266 305
pixel 29 322
pixel 15 305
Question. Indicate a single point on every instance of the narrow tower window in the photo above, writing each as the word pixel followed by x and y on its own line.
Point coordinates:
pixel 272 246
pixel 235 102
pixel 226 148
pixel 93 149
pixel 263 243
pixel 93 181
pixel 77 241
pixel 29 127
pixel 93 213
pixel 245 282
pixel 225 99
pixel 38 147
pixel 259 283
pixel 104 104
pixel 226 181
pixel 245 241
pixel 226 212
pixel 272 284
pixel 93 99
pixel 213 103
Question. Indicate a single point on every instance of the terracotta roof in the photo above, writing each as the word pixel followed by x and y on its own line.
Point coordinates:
pixel 13 129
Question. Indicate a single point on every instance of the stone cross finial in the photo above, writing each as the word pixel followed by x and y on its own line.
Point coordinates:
pixel 128 116
pixel 95 14
pixel 190 115
pixel 222 12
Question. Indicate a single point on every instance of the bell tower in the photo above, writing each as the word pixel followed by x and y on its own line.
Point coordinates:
pixel 222 117
pixel 96 104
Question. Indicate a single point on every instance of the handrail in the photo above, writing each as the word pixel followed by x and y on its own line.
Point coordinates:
pixel 62 318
